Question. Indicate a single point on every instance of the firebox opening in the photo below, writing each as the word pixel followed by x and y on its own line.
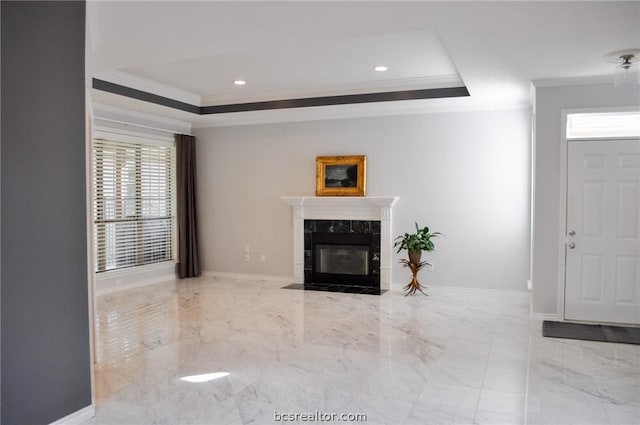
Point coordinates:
pixel 347 259
pixel 342 259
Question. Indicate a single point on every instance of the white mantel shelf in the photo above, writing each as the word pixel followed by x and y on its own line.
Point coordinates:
pixel 359 201
pixel 342 208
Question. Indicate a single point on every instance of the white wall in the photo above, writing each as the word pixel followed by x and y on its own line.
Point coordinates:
pixel 465 174
pixel 547 212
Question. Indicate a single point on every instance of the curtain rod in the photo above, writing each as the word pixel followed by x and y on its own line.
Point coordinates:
pixel 128 124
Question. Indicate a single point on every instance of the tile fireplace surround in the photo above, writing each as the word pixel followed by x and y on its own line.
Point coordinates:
pixel 377 208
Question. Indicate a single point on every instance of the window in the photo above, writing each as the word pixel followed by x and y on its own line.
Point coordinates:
pixel 134 202
pixel 604 124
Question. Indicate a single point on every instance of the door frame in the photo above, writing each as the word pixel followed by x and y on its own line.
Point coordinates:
pixel 564 181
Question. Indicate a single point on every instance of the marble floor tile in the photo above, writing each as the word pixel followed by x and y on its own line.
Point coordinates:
pixel 454 357
pixel 621 414
pixel 440 415
pixel 498 418
pixel 501 402
pixel 461 397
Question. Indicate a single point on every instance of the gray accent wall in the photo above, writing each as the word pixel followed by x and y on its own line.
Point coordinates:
pixel 44 305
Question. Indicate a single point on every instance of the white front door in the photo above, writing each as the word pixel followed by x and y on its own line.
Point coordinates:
pixel 602 280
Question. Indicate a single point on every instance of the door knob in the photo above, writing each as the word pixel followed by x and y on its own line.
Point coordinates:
pixel 571 245
pixel 572 233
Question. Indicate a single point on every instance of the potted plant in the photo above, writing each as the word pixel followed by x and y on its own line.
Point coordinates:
pixel 416 242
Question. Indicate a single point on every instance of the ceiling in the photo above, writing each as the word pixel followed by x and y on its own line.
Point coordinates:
pixel 193 51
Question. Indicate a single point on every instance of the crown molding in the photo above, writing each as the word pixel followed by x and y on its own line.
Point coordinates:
pixel 299 110
pixel 401 84
pixel 343 99
pixel 143 84
pixel 116 114
pixel 153 87
pixel 573 81
pixel 341 112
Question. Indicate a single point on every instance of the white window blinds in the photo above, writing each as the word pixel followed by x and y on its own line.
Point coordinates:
pixel 134 203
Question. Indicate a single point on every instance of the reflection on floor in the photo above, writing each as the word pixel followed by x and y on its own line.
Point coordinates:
pixel 331 287
pixel 455 357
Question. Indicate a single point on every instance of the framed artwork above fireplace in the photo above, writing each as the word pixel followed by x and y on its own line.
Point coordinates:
pixel 341 175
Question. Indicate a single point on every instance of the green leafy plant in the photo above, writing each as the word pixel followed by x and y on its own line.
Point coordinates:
pixel 418 241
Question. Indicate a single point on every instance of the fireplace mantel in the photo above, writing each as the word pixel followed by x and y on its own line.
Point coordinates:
pixel 342 208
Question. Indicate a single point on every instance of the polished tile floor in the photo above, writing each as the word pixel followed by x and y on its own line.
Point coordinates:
pixel 455 357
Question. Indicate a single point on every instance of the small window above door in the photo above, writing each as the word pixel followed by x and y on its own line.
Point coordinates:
pixel 603 125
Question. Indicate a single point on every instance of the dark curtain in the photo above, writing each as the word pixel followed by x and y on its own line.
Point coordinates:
pixel 188 263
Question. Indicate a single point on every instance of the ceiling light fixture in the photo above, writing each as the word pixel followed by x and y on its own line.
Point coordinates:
pixel 380 68
pixel 239 82
pixel 626 73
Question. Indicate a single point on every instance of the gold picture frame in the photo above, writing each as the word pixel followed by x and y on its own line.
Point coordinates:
pixel 341 175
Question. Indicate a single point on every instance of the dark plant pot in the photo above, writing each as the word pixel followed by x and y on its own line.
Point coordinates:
pixel 414 257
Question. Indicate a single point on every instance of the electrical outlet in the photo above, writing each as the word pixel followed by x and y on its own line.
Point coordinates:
pixel 247 257
pixel 263 258
pixel 247 253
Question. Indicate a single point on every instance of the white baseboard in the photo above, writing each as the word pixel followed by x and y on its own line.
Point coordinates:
pixel 477 290
pixel 544 316
pixel 125 287
pixel 135 277
pixel 77 417
pixel 249 276
pixel 394 286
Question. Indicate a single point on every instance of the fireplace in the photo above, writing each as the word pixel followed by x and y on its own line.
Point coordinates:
pixel 335 260
pixel 369 215
pixel 342 252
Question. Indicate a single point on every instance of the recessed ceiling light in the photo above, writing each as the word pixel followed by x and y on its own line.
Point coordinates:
pixel 239 82
pixel 380 68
